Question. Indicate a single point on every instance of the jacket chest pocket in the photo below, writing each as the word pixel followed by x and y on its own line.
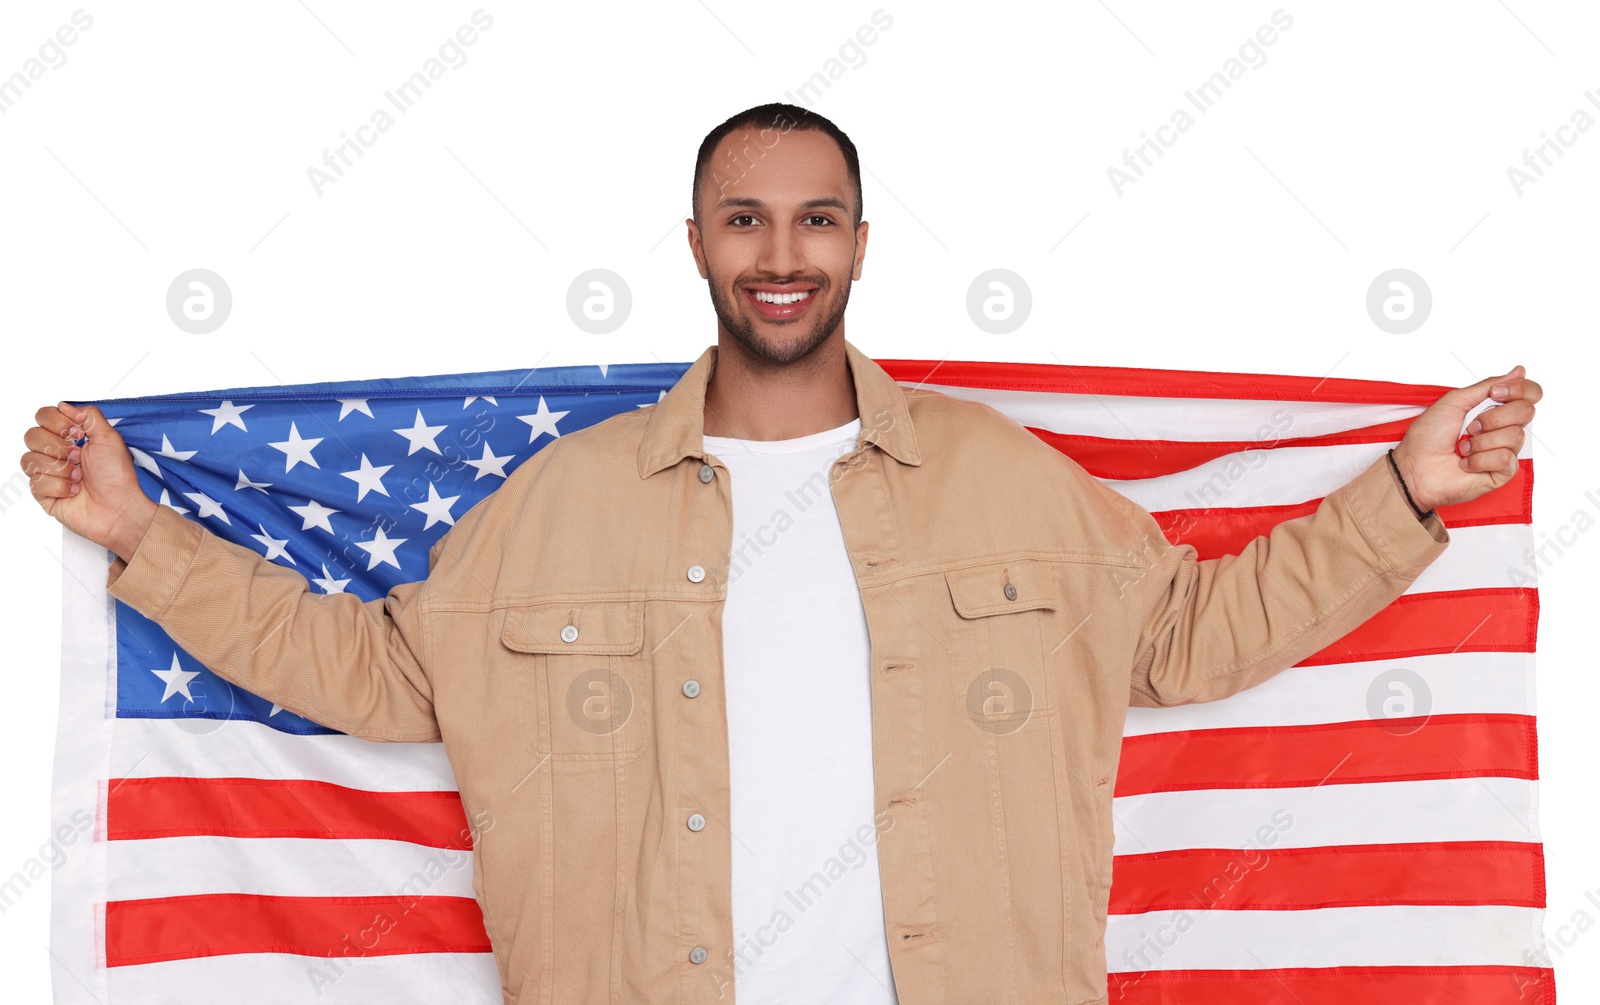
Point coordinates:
pixel 1000 660
pixel 587 692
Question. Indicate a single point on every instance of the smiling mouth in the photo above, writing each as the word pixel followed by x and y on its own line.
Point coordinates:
pixel 779 304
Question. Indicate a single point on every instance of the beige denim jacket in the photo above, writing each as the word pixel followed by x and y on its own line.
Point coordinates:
pixel 1016 607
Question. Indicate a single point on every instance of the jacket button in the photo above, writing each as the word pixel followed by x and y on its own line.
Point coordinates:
pixel 1011 592
pixel 691 688
pixel 697 822
pixel 696 573
pixel 697 954
pixel 569 633
pixel 707 472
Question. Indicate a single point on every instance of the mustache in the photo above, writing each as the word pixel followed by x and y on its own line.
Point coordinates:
pixel 818 281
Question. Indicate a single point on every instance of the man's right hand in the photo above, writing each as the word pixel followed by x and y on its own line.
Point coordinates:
pixel 92 489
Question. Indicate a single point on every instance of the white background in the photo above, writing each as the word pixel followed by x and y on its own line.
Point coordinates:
pixel 1374 136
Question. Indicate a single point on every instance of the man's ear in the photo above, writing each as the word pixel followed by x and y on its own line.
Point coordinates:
pixel 696 249
pixel 861 250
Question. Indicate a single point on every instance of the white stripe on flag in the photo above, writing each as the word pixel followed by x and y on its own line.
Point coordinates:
pixel 1126 417
pixel 1457 683
pixel 284 867
pixel 1478 558
pixel 156 748
pixel 83 737
pixel 1279 477
pixel 280 978
pixel 1446 809
pixel 1483 935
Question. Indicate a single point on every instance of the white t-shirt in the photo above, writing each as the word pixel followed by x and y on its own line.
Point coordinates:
pixel 807 906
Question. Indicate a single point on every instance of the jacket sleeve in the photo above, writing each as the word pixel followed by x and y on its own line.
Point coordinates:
pixel 353 666
pixel 1212 628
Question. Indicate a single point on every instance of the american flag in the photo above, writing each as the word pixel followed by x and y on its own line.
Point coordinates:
pixel 1362 827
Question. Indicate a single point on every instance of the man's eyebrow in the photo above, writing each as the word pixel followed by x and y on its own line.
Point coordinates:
pixel 744 202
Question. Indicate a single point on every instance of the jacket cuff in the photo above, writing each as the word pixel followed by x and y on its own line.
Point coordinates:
pixel 160 563
pixel 1378 503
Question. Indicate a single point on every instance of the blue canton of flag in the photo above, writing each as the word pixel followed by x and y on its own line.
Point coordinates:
pixel 348 483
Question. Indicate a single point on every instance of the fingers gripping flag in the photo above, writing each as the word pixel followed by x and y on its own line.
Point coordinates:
pixel 1360 828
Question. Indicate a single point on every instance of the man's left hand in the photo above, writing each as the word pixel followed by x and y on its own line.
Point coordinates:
pixel 1440 474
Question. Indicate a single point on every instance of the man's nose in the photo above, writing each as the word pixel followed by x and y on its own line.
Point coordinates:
pixel 780 253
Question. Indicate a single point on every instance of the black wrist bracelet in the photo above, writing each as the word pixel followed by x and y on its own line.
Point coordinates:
pixel 1402 479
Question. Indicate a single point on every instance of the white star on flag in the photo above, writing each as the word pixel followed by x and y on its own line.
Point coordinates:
pixel 145 461
pixel 437 509
pixel 227 414
pixel 489 464
pixel 348 405
pixel 381 549
pixel 421 436
pixel 314 514
pixel 328 583
pixel 208 506
pixel 177 680
pixel 297 450
pixel 275 548
pixel 168 451
pixel 166 500
pixel 543 421
pixel 368 478
pixel 486 397
pixel 246 483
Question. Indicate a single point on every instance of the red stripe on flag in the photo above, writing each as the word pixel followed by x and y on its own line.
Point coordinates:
pixel 1128 459
pixel 270 808
pixel 1060 378
pixel 1338 753
pixel 223 924
pixel 1217 532
pixel 1444 621
pixel 1485 985
pixel 1225 531
pixel 1510 503
pixel 1461 873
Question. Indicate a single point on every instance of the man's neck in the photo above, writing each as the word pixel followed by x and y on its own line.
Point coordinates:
pixel 749 398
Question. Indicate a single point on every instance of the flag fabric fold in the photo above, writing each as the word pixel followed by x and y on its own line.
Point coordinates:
pixel 1363 827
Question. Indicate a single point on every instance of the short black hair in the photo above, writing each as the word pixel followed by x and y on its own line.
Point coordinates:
pixel 780 118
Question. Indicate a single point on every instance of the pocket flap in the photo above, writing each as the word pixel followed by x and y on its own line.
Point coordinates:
pixel 608 627
pixel 981 591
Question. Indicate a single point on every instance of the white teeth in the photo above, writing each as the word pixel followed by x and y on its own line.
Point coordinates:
pixel 780 298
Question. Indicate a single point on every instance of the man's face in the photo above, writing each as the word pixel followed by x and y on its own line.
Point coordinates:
pixel 775 243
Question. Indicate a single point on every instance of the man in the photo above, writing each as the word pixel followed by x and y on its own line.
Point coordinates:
pixel 799 683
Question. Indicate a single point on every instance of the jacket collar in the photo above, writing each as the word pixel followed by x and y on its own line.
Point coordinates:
pixel 676 426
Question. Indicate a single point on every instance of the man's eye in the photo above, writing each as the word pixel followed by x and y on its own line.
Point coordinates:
pixel 741 216
pixel 825 220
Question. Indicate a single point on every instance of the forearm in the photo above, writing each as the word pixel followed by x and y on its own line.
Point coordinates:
pixel 1219 626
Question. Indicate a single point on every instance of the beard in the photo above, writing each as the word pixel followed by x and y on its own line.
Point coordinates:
pixel 741 325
